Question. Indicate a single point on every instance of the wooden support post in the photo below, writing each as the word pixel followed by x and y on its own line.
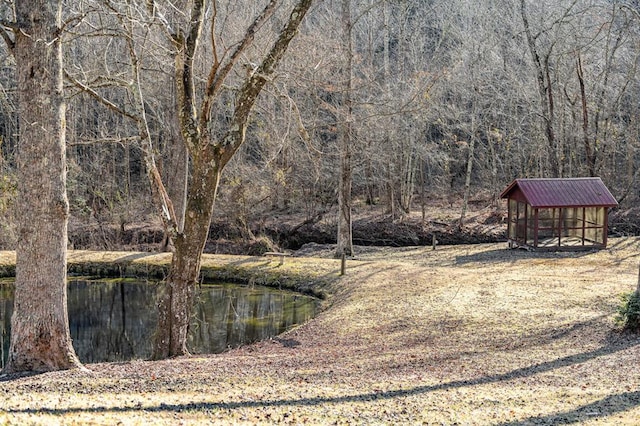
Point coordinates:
pixel 343 264
pixel 278 254
pixel 433 241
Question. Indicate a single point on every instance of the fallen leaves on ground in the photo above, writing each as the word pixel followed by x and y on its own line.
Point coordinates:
pixel 462 335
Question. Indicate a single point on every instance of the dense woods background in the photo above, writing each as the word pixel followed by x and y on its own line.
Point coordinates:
pixel 439 103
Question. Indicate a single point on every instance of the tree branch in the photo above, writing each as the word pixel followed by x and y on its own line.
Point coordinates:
pixel 185 89
pixel 101 99
pixel 215 79
pixel 166 205
pixel 5 34
pixel 119 141
pixel 252 86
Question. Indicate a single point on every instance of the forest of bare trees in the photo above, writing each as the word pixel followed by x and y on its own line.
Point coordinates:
pixel 408 101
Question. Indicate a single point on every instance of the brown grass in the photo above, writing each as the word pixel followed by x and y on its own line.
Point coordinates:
pixel 463 335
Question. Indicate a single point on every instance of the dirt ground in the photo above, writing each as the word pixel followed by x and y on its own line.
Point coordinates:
pixel 470 335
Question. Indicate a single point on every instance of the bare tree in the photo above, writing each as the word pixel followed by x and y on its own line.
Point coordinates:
pixel 40 338
pixel 344 245
pixel 209 152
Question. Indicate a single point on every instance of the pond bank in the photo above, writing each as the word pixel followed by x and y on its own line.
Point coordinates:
pixel 311 276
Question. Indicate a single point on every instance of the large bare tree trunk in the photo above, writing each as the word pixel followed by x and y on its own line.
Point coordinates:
pixel 40 339
pixel 175 306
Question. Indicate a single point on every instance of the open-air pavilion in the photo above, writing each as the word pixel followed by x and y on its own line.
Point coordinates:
pixel 558 214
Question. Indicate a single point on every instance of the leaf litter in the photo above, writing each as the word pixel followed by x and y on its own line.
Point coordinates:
pixel 473 335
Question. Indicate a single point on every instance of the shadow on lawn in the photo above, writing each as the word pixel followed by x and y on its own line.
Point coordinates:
pixel 506 255
pixel 608 406
pixel 602 408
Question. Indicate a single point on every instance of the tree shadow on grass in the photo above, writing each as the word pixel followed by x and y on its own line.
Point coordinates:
pixel 624 245
pixel 513 255
pixel 602 408
pixel 505 255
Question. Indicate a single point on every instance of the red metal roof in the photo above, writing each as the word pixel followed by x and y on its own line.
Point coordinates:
pixel 563 192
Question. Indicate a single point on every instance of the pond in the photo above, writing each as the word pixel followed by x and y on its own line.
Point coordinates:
pixel 115 320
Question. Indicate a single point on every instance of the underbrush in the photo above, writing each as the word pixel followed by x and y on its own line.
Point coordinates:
pixel 629 312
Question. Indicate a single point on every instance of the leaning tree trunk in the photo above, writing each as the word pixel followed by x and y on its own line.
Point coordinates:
pixel 176 300
pixel 40 338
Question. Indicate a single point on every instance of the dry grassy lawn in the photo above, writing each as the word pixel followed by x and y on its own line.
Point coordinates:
pixel 461 335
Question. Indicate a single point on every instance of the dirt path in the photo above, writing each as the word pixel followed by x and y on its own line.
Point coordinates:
pixel 463 335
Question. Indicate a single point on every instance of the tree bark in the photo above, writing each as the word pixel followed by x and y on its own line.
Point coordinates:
pixel 40 338
pixel 176 303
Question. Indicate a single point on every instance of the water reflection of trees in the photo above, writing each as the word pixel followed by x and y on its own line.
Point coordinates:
pixel 6 308
pixel 113 321
pixel 228 316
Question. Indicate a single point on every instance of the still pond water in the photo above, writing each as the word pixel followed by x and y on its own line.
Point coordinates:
pixel 114 320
